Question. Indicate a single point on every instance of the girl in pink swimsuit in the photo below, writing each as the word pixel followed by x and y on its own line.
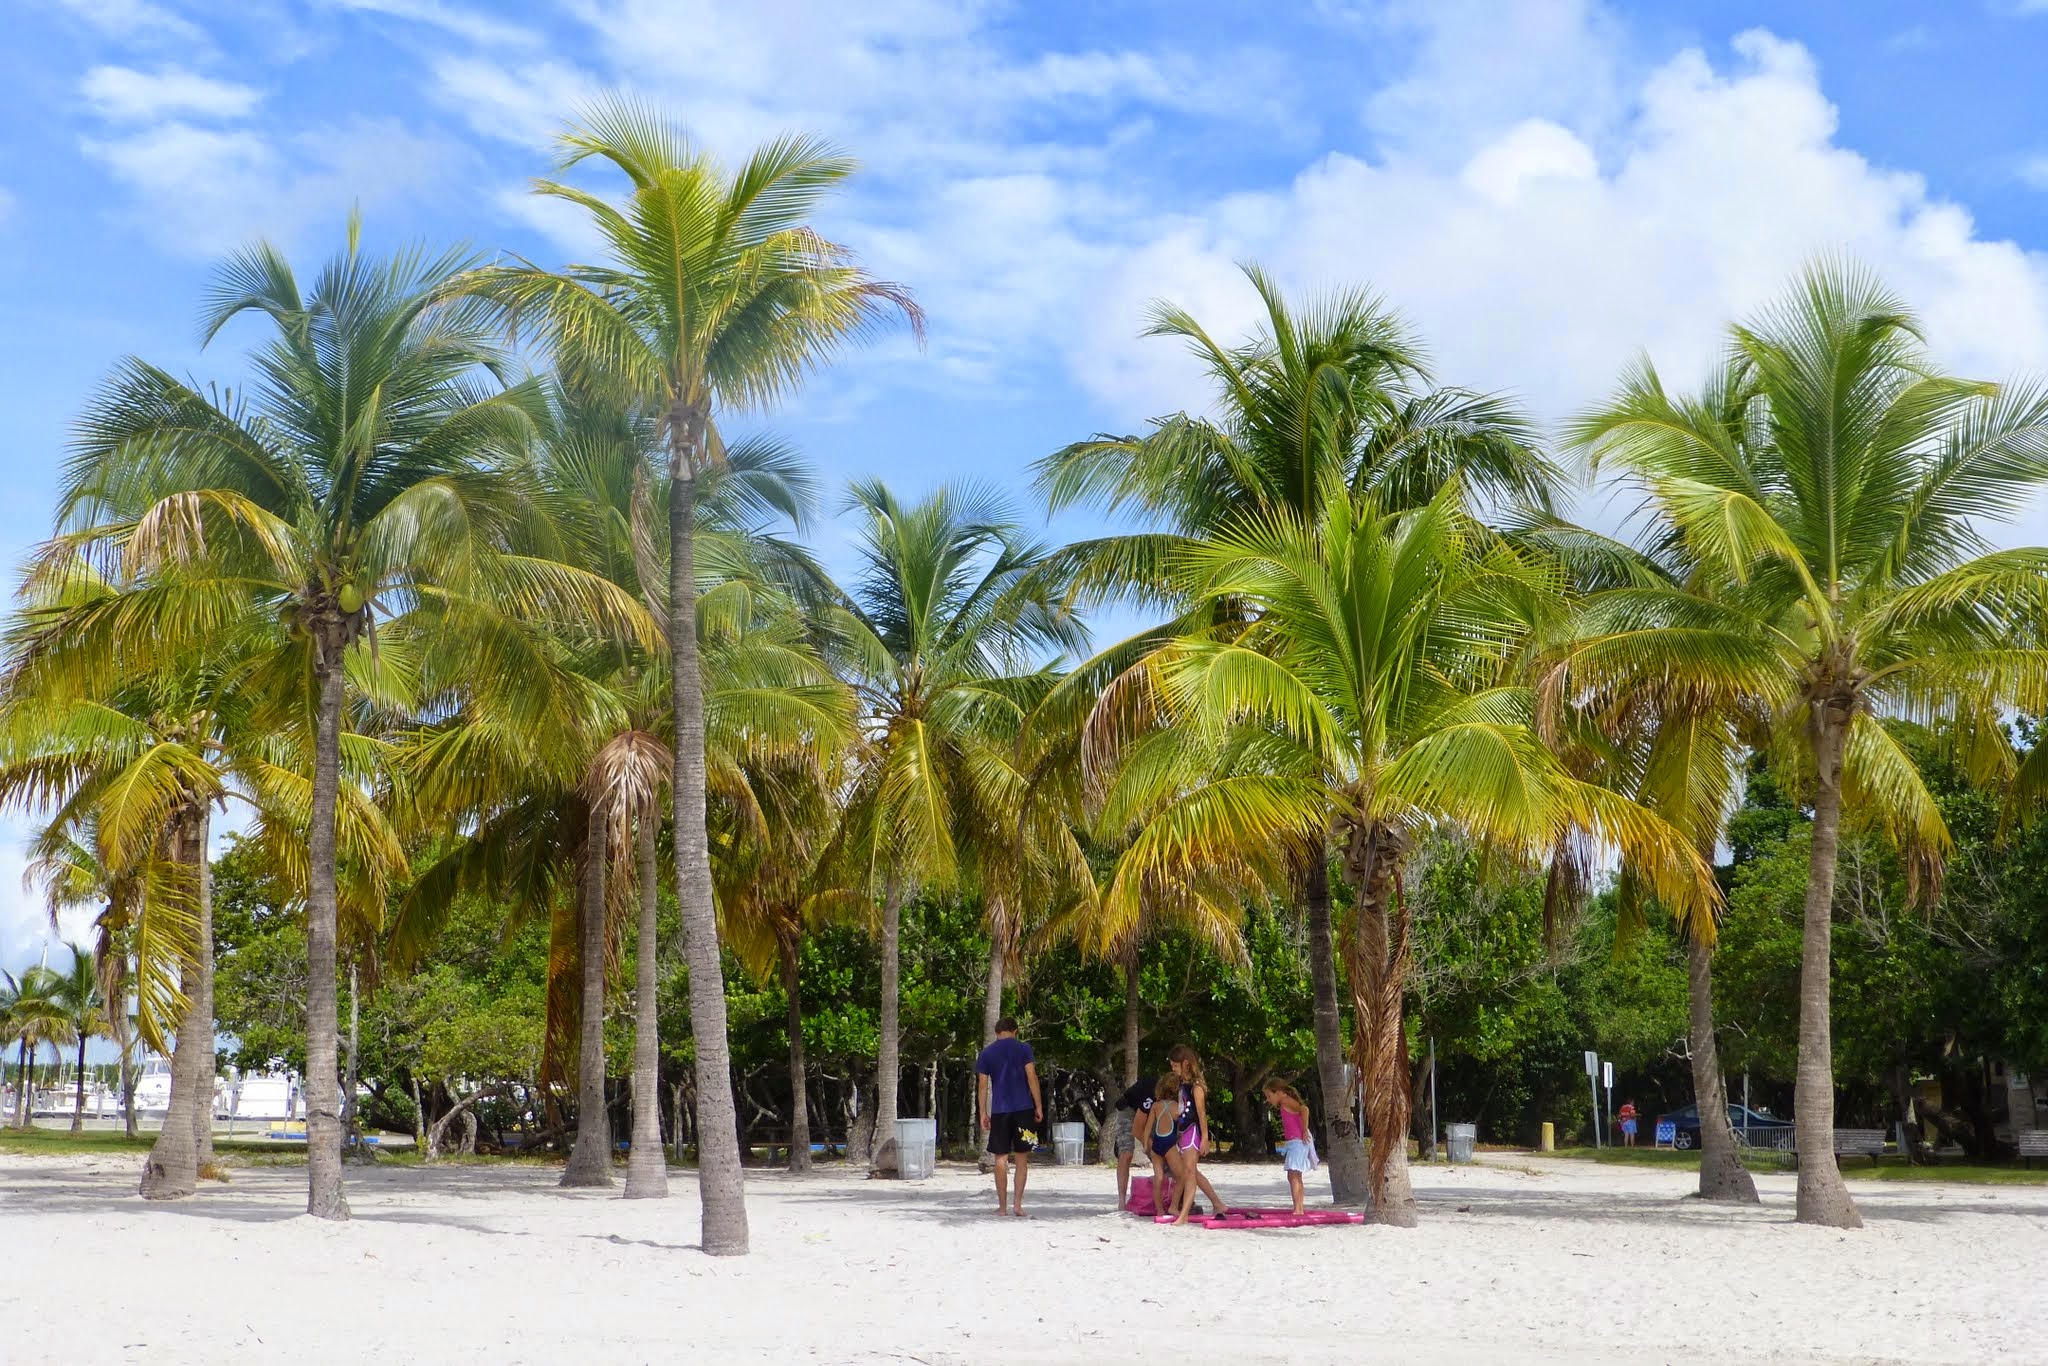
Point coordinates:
pixel 1297 1148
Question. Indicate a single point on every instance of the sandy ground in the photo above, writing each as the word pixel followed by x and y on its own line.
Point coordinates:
pixel 1519 1260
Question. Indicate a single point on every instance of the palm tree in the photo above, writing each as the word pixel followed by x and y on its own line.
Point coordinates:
pixel 717 295
pixel 31 1015
pixel 359 493
pixel 73 876
pixel 1335 393
pixel 1129 797
pixel 77 994
pixel 1372 667
pixel 131 766
pixel 775 884
pixel 1823 493
pixel 942 630
pixel 535 799
pixel 1676 746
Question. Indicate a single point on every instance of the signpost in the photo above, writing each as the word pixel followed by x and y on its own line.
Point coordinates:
pixel 1607 1081
pixel 1593 1089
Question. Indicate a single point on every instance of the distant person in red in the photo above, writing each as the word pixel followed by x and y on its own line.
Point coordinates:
pixel 1627 1116
pixel 1012 1109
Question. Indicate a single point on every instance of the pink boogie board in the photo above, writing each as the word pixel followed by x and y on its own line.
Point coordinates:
pixel 1280 1218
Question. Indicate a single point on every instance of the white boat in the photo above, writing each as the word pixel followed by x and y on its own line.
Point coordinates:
pixel 153 1091
pixel 61 1101
pixel 272 1094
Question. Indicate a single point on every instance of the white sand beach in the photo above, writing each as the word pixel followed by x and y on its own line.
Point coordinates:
pixel 1517 1260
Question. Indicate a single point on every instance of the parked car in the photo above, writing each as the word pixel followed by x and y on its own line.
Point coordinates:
pixel 1758 1128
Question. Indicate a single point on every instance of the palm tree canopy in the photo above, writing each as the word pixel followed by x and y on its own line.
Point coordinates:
pixel 32 1010
pixel 1371 672
pixel 1334 393
pixel 77 992
pixel 368 482
pixel 1818 508
pixel 949 635
pixel 716 292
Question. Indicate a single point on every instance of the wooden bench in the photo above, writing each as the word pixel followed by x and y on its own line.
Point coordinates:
pixel 1869 1143
pixel 2032 1143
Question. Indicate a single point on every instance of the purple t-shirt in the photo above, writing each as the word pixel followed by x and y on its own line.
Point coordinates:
pixel 1003 1063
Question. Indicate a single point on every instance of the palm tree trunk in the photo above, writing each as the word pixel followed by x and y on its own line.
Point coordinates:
pixel 202 863
pixel 1131 1033
pixel 590 1160
pixel 1823 1197
pixel 992 998
pixel 22 1086
pixel 171 1171
pixel 799 1087
pixel 1379 978
pixel 888 1065
pixel 646 1167
pixel 1342 1151
pixel 720 1178
pixel 1722 1175
pixel 78 1102
pixel 123 1041
pixel 324 1196
pixel 357 1151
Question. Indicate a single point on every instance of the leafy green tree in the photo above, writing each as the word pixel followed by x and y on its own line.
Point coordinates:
pixel 77 994
pixel 717 295
pixel 1333 394
pixel 360 491
pixel 1379 656
pixel 939 636
pixel 1824 490
pixel 32 1014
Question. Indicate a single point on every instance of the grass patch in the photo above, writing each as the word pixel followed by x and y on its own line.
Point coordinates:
pixel 1888 1168
pixel 1632 1157
pixel 1967 1173
pixel 111 1142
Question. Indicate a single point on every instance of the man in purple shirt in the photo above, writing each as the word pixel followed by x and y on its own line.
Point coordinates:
pixel 1012 1109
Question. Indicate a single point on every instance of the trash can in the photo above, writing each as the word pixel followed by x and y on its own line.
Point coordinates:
pixel 917 1148
pixel 1069 1141
pixel 1461 1137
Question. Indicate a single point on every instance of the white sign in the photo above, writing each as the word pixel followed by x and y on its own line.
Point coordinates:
pixel 1607 1075
pixel 1592 1063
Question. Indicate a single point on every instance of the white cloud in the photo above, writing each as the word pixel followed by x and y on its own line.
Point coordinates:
pixel 1539 199
pixel 985 168
pixel 1481 66
pixel 1535 269
pixel 136 21
pixel 201 191
pixel 24 918
pixel 472 25
pixel 526 104
pixel 122 94
pixel 2034 171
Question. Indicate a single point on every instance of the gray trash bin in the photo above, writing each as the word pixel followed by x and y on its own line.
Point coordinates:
pixel 917 1148
pixel 1069 1144
pixel 1461 1138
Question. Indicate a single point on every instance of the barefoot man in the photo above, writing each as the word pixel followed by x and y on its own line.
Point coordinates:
pixel 1012 1108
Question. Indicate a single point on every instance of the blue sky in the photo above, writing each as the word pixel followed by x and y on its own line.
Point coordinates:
pixel 1544 186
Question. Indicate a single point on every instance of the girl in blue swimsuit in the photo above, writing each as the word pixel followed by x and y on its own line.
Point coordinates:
pixel 1162 1136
